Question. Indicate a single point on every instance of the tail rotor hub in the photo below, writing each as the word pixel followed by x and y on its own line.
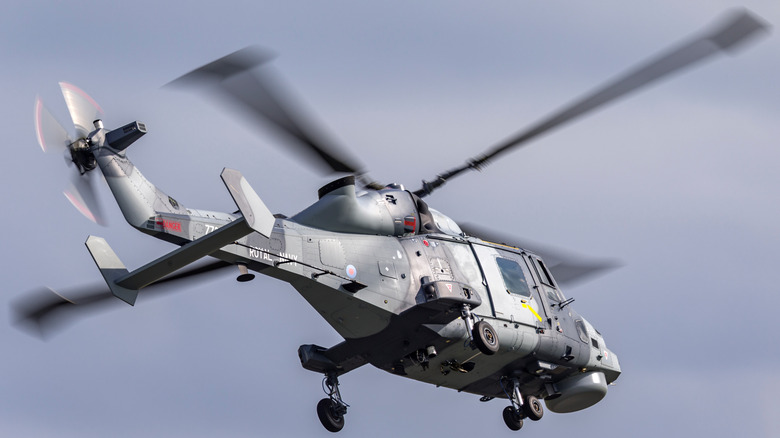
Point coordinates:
pixel 82 156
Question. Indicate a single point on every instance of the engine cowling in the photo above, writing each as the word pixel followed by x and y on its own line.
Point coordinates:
pixel 390 212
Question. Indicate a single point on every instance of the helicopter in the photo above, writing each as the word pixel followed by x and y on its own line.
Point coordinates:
pixel 410 290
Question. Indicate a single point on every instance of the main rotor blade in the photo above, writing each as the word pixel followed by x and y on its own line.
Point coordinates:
pixel 81 193
pixel 51 135
pixel 736 29
pixel 43 312
pixel 245 80
pixel 568 269
pixel 83 109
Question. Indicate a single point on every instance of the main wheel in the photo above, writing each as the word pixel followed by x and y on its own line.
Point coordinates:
pixel 485 337
pixel 533 408
pixel 329 415
pixel 512 418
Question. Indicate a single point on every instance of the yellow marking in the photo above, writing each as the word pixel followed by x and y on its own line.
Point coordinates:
pixel 501 244
pixel 532 311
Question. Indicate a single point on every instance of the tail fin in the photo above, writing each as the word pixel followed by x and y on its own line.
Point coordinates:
pixel 140 201
pixel 138 198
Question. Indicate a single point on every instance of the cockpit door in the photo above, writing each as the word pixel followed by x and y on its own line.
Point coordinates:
pixel 560 313
pixel 511 286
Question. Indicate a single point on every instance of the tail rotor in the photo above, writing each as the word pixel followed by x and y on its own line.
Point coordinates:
pixel 53 138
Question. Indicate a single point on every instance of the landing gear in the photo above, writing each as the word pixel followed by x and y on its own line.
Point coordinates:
pixel 532 408
pixel 331 410
pixel 330 417
pixel 485 338
pixel 512 419
pixel 522 407
pixel 482 335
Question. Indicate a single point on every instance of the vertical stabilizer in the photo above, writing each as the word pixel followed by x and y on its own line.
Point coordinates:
pixel 111 268
pixel 138 198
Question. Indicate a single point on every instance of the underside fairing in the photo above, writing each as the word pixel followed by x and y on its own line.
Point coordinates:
pixel 519 356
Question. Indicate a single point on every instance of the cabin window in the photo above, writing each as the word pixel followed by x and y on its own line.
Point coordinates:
pixel 514 277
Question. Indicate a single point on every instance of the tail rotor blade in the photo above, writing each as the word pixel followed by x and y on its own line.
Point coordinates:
pixel 81 194
pixel 51 135
pixel 83 109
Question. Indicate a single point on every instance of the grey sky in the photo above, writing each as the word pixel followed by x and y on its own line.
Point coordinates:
pixel 679 182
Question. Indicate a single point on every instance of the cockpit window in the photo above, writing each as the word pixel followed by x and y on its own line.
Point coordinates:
pixel 544 275
pixel 553 294
pixel 514 277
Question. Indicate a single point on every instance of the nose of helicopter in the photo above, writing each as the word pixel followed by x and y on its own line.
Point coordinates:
pixel 609 364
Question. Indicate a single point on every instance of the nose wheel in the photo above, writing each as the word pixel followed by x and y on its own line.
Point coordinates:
pixel 331 410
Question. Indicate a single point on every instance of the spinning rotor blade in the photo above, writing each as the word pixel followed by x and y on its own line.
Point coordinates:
pixel 245 80
pixel 52 136
pixel 81 193
pixel 83 109
pixel 737 28
pixel 43 312
pixel 567 268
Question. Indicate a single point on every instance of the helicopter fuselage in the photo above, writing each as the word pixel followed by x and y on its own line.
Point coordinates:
pixel 397 300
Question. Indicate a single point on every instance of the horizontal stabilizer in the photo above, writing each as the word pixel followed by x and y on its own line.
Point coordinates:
pixel 125 285
pixel 249 203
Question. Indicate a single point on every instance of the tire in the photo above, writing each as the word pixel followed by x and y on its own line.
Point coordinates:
pixel 329 417
pixel 533 408
pixel 485 337
pixel 512 419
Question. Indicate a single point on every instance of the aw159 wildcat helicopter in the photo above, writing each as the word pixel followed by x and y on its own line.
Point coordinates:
pixel 409 290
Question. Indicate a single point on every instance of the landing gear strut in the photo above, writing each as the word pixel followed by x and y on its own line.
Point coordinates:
pixel 522 407
pixel 331 410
